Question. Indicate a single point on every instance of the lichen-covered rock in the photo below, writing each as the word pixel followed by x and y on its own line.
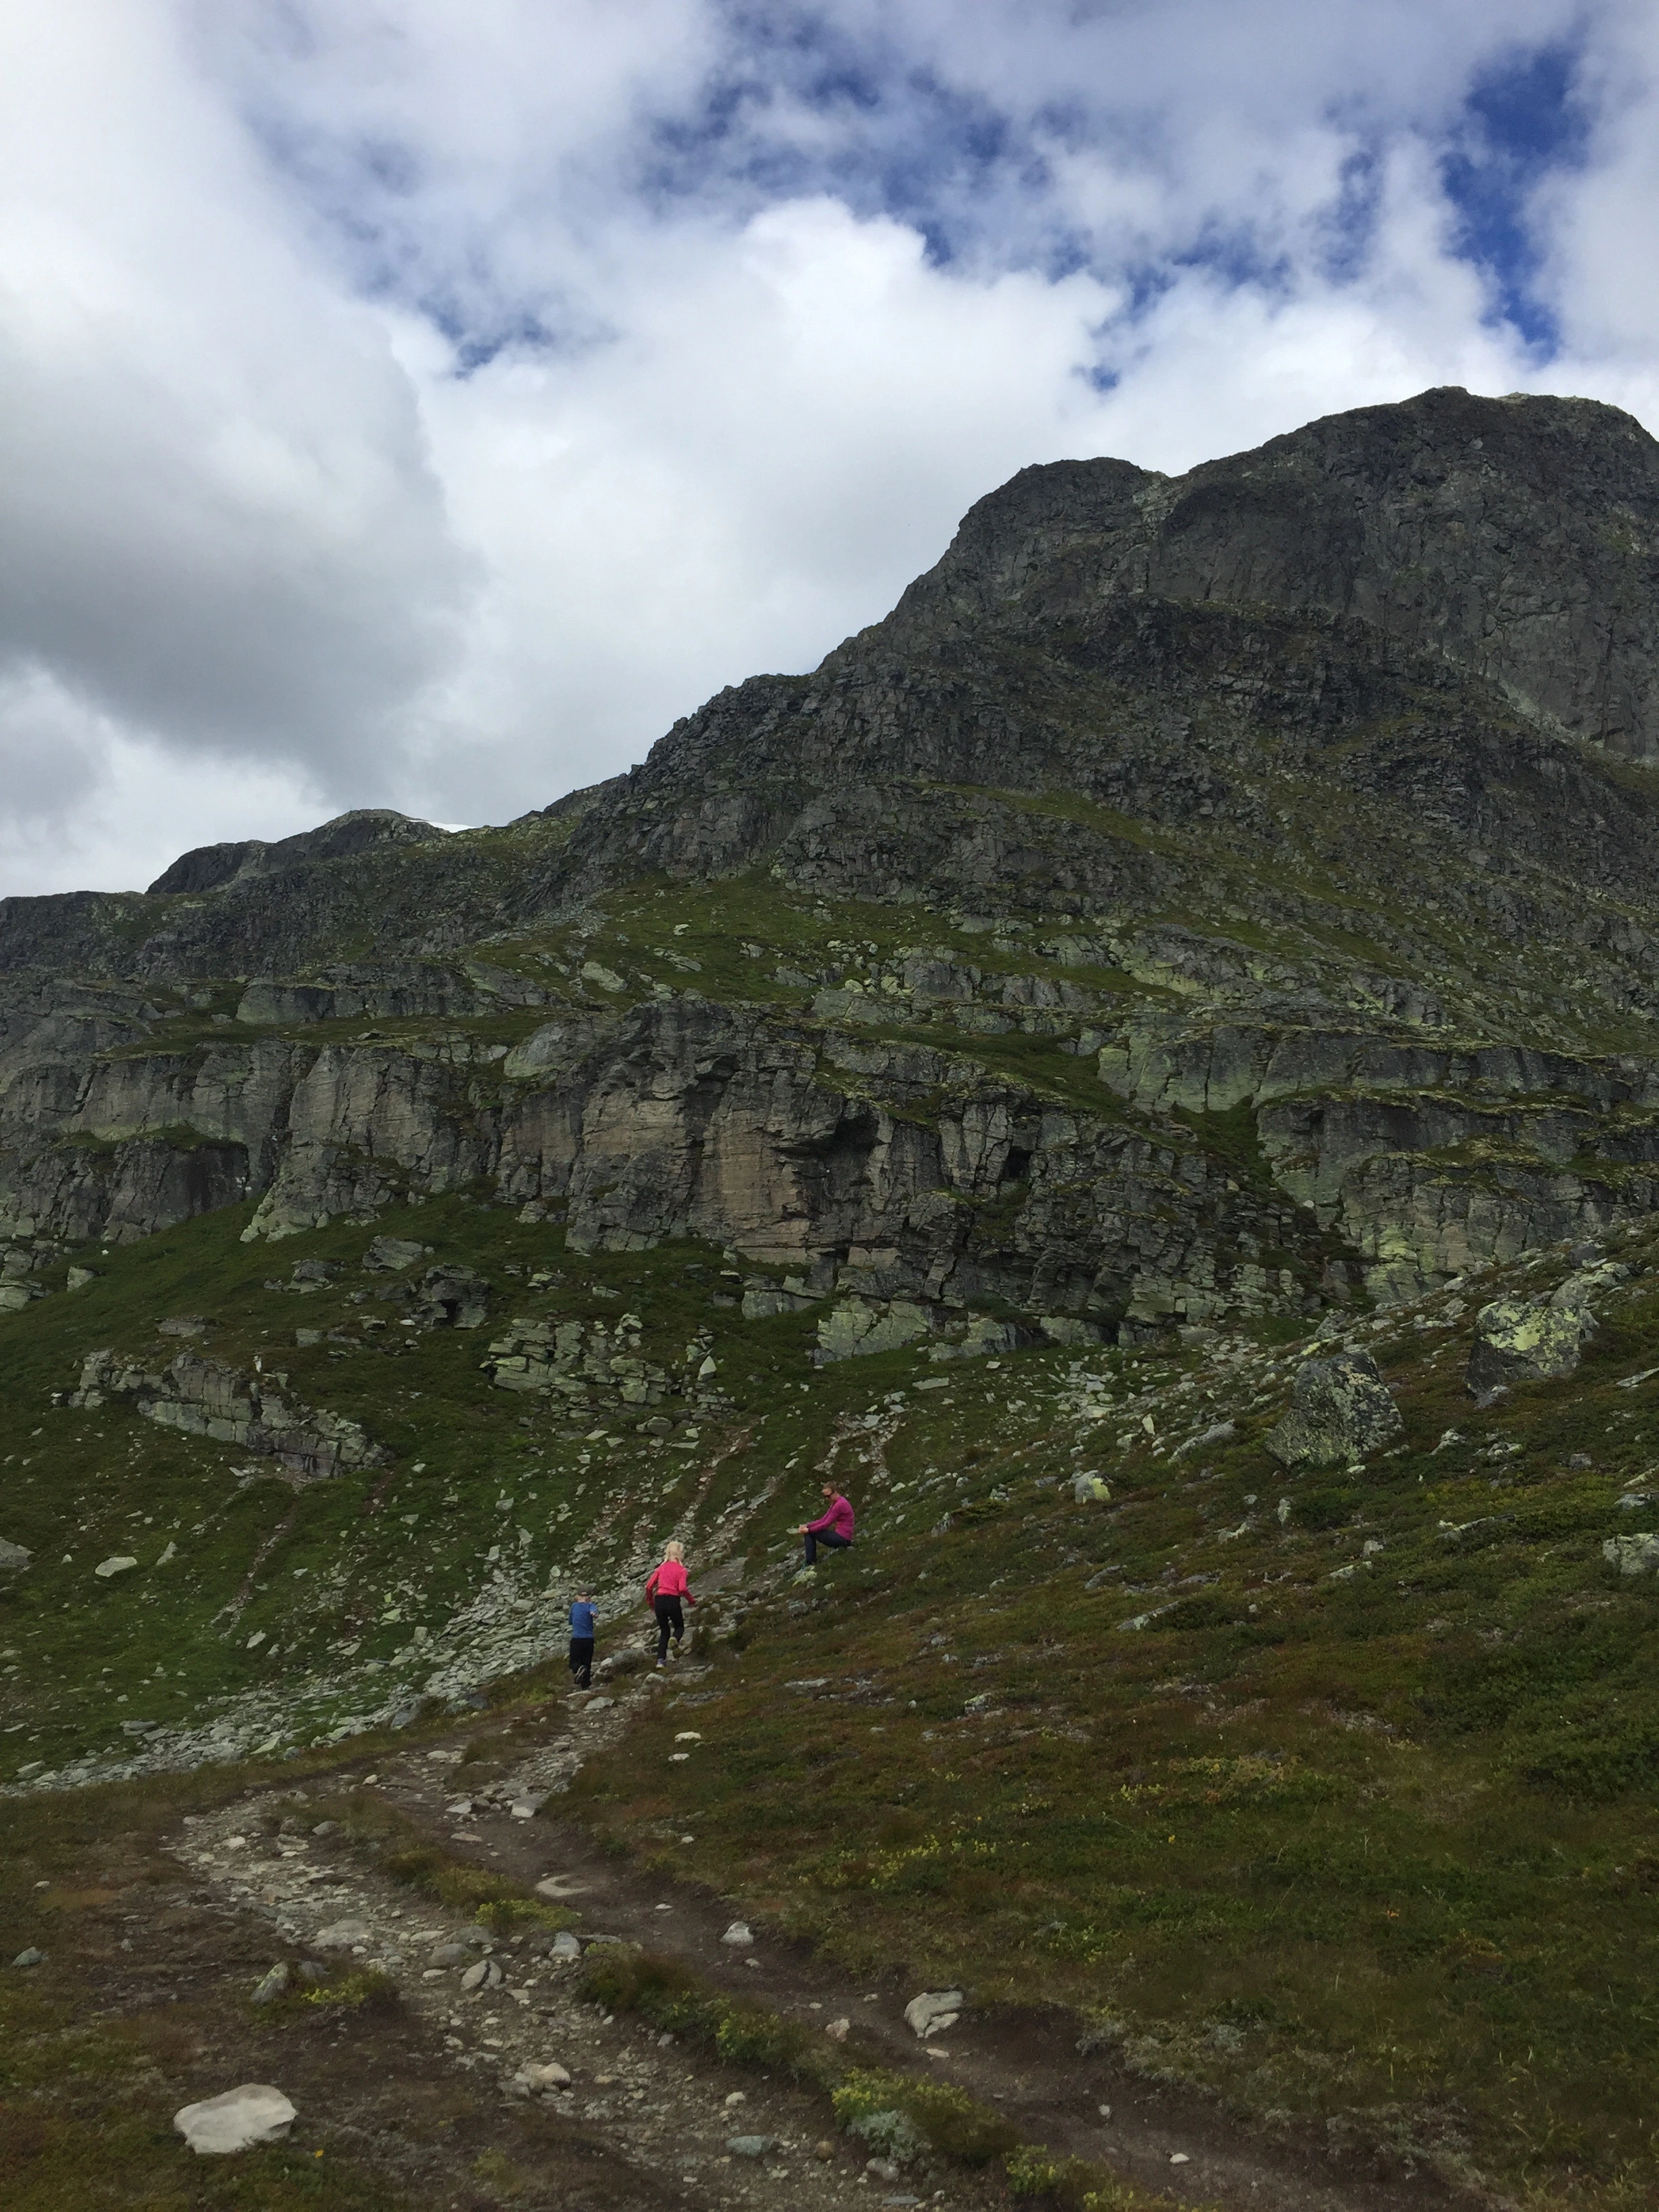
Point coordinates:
pixel 205 1397
pixel 586 1363
pixel 860 1326
pixel 1340 1411
pixel 14 1558
pixel 1632 1555
pixel 1526 1340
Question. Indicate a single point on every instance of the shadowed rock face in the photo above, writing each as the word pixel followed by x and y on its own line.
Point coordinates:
pixel 1299 804
pixel 1515 538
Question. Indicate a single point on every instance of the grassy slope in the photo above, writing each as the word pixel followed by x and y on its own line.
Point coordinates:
pixel 1378 1846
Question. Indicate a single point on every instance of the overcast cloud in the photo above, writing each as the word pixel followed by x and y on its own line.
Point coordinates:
pixel 413 404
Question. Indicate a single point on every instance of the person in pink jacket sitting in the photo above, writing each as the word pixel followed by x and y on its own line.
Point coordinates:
pixel 833 1528
pixel 665 1586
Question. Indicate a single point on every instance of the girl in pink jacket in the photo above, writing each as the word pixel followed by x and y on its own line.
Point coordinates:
pixel 666 1587
pixel 833 1528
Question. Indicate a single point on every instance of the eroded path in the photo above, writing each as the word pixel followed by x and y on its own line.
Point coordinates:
pixel 431 2085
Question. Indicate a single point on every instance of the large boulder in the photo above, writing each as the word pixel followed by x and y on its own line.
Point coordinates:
pixel 1340 1411
pixel 1527 1340
pixel 451 1296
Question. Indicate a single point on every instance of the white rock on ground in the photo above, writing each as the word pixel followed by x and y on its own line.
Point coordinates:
pixel 255 2114
pixel 739 1936
pixel 550 2076
pixel 106 1568
pixel 341 1935
pixel 934 2011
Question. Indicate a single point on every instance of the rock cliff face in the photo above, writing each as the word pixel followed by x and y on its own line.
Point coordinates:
pixel 1203 895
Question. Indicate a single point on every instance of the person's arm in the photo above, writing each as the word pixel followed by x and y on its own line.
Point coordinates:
pixel 814 1527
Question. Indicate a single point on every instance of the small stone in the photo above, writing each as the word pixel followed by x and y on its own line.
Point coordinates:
pixel 552 2075
pixel 882 2168
pixel 836 2030
pixel 736 2098
pixel 739 1936
pixel 274 1985
pixel 934 2011
pixel 1179 2158
pixel 30 1958
pixel 751 2146
pixel 120 1565
pixel 823 2150
pixel 485 1974
pixel 342 1935
pixel 450 1955
pixel 565 1945
pixel 255 2114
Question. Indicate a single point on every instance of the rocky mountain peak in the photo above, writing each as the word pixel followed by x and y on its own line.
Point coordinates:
pixel 1514 536
pixel 212 867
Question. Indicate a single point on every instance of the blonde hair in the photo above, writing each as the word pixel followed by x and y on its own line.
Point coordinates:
pixel 674 1552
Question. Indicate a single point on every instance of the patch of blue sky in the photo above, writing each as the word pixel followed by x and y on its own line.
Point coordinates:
pixel 1348 230
pixel 1522 121
pixel 800 107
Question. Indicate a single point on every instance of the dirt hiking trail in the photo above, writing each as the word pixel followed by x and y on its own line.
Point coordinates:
pixel 422 2085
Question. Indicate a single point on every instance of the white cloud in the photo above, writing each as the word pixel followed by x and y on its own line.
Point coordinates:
pixel 412 406
pixel 210 462
pixel 88 802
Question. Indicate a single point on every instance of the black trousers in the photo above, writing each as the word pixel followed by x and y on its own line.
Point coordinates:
pixel 581 1660
pixel 828 1539
pixel 670 1622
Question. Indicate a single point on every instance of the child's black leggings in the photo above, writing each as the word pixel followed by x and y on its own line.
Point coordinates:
pixel 670 1622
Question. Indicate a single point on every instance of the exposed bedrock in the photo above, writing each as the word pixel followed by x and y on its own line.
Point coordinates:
pixel 1242 889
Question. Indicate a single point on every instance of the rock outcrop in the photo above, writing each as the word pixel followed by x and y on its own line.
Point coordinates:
pixel 204 1398
pixel 1150 1031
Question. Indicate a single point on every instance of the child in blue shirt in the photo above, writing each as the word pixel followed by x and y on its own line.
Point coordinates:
pixel 581 1640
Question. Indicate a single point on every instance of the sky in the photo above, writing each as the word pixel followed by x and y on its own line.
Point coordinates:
pixel 419 405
